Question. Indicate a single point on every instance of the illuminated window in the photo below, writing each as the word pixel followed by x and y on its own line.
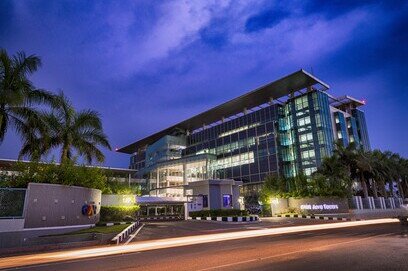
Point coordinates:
pixel 243 128
pixel 226 200
pixel 308 154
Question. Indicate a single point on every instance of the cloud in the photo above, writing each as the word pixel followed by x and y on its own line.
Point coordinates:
pixel 178 24
pixel 145 65
pixel 265 19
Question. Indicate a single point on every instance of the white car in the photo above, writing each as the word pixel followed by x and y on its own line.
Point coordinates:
pixel 403 216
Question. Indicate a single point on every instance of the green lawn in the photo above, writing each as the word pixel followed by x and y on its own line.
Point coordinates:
pixel 99 229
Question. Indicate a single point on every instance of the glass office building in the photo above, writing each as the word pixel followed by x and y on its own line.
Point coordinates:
pixel 285 128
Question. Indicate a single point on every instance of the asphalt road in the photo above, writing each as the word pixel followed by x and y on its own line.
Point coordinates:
pixel 160 230
pixel 373 247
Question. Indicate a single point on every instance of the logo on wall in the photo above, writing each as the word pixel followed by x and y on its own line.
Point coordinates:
pixel 89 209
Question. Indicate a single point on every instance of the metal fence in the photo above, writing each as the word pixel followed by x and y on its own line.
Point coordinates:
pixel 12 202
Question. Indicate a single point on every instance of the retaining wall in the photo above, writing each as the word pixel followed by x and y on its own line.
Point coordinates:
pixel 53 205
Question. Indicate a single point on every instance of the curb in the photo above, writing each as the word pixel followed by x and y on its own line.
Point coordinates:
pixel 108 224
pixel 320 217
pixel 227 218
pixel 123 235
pixel 153 218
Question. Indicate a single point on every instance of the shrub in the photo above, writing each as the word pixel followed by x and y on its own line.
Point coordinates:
pixel 120 188
pixel 67 173
pixel 219 212
pixel 118 213
pixel 318 185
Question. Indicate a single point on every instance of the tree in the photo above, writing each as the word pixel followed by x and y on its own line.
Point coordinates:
pixel 396 167
pixel 332 178
pixel 363 167
pixel 380 170
pixel 18 95
pixel 71 130
pixel 273 186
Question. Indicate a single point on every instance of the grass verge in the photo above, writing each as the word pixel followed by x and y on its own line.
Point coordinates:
pixel 97 229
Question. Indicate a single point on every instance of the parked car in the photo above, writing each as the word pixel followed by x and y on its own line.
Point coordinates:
pixel 403 216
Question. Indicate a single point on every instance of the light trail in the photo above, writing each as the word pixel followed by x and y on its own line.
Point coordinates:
pixel 50 257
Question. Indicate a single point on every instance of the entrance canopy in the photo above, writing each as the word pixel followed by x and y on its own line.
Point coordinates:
pixel 154 201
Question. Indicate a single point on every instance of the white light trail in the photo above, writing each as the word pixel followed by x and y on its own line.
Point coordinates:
pixel 41 258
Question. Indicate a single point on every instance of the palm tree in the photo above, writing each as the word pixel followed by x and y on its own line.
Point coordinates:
pixel 348 155
pixel 394 170
pixel 71 130
pixel 404 175
pixel 18 95
pixel 364 168
pixel 380 170
pixel 336 173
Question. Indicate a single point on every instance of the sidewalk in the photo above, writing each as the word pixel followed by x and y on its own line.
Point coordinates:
pixel 354 215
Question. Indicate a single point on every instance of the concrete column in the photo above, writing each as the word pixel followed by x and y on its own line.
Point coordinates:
pixel 184 174
pixel 157 181
pixel 358 202
pixel 185 211
pixel 167 177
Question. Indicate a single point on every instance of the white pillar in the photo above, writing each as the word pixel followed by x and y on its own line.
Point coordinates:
pixel 184 174
pixel 157 181
pixel 185 211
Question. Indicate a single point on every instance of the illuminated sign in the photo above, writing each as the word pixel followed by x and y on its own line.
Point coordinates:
pixel 89 209
pixel 319 207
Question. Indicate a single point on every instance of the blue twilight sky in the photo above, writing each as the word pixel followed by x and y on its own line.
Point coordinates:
pixel 145 65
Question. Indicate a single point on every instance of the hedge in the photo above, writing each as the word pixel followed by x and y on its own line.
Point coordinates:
pixel 219 212
pixel 115 213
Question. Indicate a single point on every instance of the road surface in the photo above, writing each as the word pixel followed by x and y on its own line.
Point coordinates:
pixel 371 247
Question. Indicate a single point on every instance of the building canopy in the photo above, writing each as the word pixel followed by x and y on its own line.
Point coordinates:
pixel 275 90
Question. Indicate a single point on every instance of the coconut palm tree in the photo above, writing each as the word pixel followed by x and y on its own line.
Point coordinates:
pixel 364 168
pixel 36 141
pixel 397 160
pixel 71 130
pixel 18 95
pixel 393 174
pixel 380 170
pixel 404 175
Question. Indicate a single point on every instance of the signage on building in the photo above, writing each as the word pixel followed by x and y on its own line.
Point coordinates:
pixel 89 209
pixel 319 207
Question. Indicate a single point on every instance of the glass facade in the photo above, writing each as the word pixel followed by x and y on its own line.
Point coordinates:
pixel 341 128
pixel 352 131
pixel 361 128
pixel 286 138
pixel 306 133
pixel 245 147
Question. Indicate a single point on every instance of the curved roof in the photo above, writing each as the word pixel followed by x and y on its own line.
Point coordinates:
pixel 274 90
